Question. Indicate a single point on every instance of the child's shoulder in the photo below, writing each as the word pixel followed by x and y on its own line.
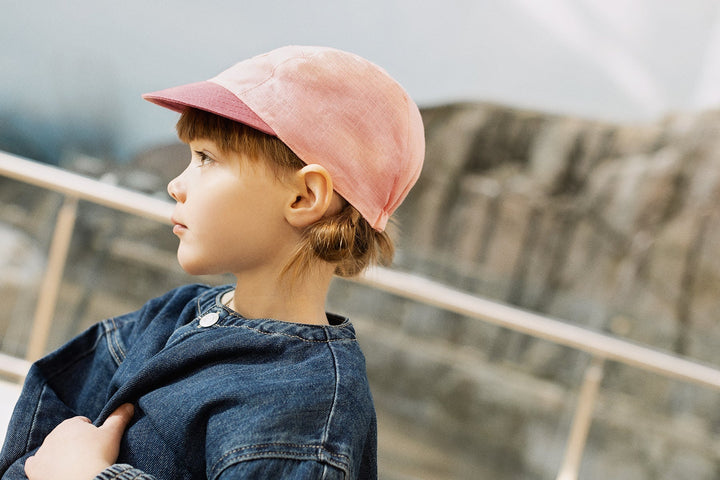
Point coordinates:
pixel 173 303
pixel 193 290
pixel 160 316
pixel 185 294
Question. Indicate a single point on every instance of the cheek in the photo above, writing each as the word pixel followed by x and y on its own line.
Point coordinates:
pixel 212 207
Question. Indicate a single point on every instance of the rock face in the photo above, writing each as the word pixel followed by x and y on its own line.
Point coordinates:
pixel 578 219
pixel 612 227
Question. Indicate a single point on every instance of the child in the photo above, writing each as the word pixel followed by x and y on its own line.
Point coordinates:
pixel 299 156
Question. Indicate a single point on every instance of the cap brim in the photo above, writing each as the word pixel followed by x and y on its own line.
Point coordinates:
pixel 210 97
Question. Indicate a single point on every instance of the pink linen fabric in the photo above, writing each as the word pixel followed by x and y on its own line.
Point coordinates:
pixel 332 108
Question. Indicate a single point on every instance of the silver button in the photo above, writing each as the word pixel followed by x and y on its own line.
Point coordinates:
pixel 209 319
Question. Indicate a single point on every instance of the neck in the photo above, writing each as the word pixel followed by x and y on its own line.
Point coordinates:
pixel 284 298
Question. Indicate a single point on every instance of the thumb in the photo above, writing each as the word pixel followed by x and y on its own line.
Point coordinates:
pixel 118 420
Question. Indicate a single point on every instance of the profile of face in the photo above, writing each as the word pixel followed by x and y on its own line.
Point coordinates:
pixel 229 214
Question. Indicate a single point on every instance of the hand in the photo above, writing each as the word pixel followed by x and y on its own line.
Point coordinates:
pixel 76 449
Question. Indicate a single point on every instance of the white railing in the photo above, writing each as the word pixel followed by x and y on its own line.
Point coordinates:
pixel 601 347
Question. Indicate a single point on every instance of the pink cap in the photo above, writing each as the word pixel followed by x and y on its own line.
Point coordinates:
pixel 331 108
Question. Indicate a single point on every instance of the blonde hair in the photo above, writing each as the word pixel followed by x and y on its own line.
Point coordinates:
pixel 345 239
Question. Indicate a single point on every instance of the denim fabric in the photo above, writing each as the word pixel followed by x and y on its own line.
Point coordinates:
pixel 241 398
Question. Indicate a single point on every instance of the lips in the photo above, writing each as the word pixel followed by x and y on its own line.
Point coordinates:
pixel 178 227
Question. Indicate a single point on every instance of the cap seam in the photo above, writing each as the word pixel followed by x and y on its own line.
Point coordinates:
pixel 269 77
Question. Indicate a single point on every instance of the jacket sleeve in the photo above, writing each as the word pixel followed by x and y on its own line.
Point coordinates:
pixel 287 469
pixel 120 471
pixel 69 382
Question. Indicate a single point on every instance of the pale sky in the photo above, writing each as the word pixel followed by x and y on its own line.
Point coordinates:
pixel 75 69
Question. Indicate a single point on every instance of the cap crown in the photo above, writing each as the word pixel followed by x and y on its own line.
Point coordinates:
pixel 331 108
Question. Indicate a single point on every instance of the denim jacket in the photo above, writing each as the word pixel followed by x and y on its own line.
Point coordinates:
pixel 216 395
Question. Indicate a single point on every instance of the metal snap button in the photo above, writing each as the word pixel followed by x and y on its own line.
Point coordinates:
pixel 209 319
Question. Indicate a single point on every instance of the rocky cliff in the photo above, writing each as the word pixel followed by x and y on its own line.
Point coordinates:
pixel 612 227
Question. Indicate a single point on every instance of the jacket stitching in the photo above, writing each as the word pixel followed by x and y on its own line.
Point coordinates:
pixel 325 340
pixel 331 413
pixel 316 457
pixel 114 344
pixel 263 332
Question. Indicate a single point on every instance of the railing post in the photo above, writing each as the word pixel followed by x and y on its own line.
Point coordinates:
pixel 582 419
pixel 47 297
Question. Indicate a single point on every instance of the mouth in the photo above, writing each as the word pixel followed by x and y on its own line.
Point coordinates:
pixel 178 227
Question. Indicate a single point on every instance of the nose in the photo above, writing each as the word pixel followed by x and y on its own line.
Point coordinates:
pixel 176 189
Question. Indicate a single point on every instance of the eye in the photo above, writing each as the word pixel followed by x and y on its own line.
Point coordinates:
pixel 203 158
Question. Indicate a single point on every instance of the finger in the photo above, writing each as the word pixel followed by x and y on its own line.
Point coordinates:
pixel 118 420
pixel 71 420
pixel 29 467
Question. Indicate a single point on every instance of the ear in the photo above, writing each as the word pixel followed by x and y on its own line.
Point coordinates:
pixel 313 196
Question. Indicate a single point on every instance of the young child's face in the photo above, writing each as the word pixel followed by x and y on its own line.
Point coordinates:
pixel 229 214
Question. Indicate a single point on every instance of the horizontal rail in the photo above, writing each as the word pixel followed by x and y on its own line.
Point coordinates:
pixel 402 284
pixel 598 344
pixel 84 188
pixel 14 367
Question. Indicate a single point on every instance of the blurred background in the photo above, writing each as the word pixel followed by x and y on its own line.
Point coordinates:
pixel 573 170
pixel 73 71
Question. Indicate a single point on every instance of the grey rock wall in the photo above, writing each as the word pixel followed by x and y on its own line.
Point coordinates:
pixel 612 227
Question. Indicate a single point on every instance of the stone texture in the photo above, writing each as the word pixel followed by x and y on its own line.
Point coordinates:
pixel 612 227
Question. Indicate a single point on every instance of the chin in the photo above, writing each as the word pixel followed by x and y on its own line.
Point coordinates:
pixel 194 267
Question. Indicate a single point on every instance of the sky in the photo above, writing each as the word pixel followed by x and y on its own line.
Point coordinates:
pixel 73 71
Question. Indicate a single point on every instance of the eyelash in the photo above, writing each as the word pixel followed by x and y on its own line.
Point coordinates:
pixel 203 157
